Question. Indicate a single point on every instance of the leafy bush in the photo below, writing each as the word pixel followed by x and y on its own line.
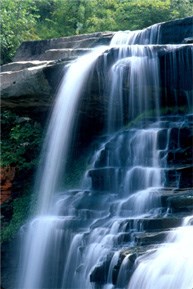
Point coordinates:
pixel 20 141
pixel 18 20
pixel 31 19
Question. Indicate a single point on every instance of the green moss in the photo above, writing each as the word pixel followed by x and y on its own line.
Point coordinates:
pixel 75 171
pixel 22 209
pixel 153 113
pixel 21 140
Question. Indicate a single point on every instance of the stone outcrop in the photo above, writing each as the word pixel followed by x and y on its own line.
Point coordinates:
pixel 34 76
pixel 71 46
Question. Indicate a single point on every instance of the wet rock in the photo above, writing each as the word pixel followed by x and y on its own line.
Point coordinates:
pixel 180 138
pixel 162 139
pixel 105 179
pixel 183 29
pixel 100 273
pixel 181 202
pixel 181 177
pixel 152 224
pixel 144 239
pixel 124 269
pixel 176 197
pixel 180 156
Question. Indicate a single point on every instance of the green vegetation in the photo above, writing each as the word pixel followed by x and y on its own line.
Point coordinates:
pixel 18 21
pixel 22 208
pixel 153 113
pixel 76 169
pixel 21 139
pixel 43 19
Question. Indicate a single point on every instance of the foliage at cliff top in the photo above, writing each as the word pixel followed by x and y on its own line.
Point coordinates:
pixel 42 19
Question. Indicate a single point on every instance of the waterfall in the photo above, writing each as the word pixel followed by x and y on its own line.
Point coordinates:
pixel 63 116
pixel 138 64
pixel 91 237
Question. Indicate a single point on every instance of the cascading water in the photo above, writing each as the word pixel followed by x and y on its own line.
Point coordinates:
pixel 88 236
pixel 170 266
pixel 137 71
pixel 139 66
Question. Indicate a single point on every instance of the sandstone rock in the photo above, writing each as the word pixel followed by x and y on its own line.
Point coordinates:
pixel 36 50
pixel 7 177
pixel 20 65
pixel 29 84
pixel 64 54
pixel 26 82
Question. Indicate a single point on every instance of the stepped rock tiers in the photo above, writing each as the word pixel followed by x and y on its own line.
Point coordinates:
pixel 129 224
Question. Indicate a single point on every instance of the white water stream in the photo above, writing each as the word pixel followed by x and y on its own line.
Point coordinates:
pixel 171 266
pixel 40 238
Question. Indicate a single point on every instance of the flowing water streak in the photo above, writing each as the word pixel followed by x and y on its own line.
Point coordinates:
pixel 41 235
pixel 171 266
pixel 61 124
pixel 139 65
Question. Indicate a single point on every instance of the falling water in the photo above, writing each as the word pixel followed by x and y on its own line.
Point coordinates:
pixel 63 116
pixel 40 238
pixel 78 237
pixel 171 266
pixel 136 70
